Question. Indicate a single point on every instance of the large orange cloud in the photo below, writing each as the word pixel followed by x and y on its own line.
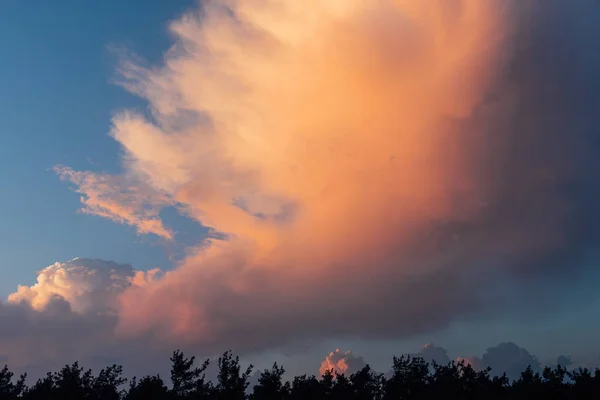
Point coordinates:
pixel 316 136
pixel 344 149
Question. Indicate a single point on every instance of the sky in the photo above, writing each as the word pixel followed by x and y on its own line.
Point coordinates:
pixel 324 183
pixel 56 105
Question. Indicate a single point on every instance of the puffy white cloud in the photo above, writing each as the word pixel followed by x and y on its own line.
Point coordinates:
pixel 70 314
pixel 88 286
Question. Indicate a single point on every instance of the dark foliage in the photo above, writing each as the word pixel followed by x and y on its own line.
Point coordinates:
pixel 411 378
pixel 148 388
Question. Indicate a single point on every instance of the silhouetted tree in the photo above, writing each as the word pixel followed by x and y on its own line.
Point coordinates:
pixel 409 380
pixel 270 385
pixel 307 387
pixel 231 382
pixel 585 385
pixel 367 385
pixel 553 382
pixel 148 388
pixel 8 389
pixel 44 388
pixel 412 378
pixel 327 382
pixel 499 385
pixel 528 385
pixel 479 384
pixel 188 381
pixel 446 381
pixel 342 388
pixel 72 383
pixel 106 385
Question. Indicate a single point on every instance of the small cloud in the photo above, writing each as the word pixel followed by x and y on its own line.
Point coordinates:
pixel 340 362
pixel 564 361
pixel 112 197
pixel 474 362
pixel 431 353
pixel 506 358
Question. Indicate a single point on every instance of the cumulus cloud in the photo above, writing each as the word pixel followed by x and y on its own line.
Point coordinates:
pixel 377 169
pixel 506 358
pixel 70 314
pixel 432 353
pixel 564 361
pixel 86 285
pixel 342 363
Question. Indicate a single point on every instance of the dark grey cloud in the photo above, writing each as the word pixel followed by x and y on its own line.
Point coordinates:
pixel 505 358
pixel 564 361
pixel 38 341
pixel 432 353
pixel 536 233
pixel 510 359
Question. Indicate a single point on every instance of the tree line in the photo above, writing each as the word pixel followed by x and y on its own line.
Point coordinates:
pixel 410 378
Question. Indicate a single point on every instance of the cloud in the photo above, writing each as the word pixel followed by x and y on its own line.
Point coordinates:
pixel 38 341
pixel 377 169
pixel 506 358
pixel 475 362
pixel 86 285
pixel 69 314
pixel 564 361
pixel 50 335
pixel 343 363
pixel 72 313
pixel 112 198
pixel 432 353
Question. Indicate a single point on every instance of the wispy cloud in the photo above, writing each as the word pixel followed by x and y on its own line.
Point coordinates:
pixel 114 198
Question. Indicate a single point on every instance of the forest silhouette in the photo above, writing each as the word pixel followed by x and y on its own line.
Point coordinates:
pixel 410 378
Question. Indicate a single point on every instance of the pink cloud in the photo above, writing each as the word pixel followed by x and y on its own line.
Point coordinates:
pixel 336 148
pixel 113 198
pixel 365 183
pixel 342 363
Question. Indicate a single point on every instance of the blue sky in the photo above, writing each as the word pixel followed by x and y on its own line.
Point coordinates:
pixel 55 108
